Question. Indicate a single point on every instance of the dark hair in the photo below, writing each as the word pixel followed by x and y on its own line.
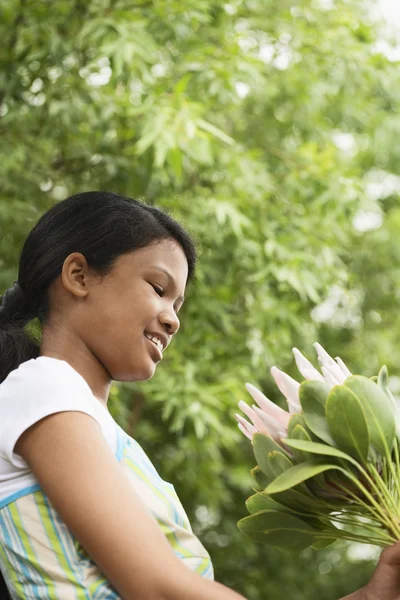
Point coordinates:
pixel 100 225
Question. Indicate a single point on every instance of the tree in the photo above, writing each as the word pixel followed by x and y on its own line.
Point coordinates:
pixel 263 127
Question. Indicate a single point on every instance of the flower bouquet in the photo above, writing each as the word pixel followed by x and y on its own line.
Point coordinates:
pixel 329 468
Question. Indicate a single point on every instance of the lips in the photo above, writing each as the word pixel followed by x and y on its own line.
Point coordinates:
pixel 155 348
pixel 164 339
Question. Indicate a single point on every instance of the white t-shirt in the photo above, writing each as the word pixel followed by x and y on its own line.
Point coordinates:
pixel 38 388
pixel 39 556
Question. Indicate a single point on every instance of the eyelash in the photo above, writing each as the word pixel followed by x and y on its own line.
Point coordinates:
pixel 160 292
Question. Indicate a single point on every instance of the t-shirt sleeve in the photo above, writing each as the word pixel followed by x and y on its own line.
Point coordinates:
pixel 36 389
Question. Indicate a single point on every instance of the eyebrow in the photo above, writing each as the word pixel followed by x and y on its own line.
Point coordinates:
pixel 170 279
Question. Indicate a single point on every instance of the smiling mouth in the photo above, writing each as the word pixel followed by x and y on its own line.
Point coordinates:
pixel 155 346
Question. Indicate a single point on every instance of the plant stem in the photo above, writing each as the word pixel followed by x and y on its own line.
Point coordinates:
pixel 379 514
pixel 377 531
pixel 388 496
pixel 351 537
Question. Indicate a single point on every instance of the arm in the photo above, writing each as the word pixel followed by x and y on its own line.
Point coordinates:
pixel 85 484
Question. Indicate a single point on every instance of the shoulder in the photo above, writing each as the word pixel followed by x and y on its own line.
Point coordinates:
pixel 43 373
pixel 38 388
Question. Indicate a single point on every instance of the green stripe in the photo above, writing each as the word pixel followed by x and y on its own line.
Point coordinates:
pixel 173 540
pixel 56 546
pixel 30 553
pixel 133 467
pixel 202 565
pixel 93 587
pixel 12 574
pixel 175 543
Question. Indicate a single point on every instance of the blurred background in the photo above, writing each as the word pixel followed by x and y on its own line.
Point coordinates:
pixel 271 129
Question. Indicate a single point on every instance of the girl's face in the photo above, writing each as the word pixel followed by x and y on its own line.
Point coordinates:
pixel 140 301
pixel 112 318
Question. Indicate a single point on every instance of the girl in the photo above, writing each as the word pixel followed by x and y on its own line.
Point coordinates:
pixel 83 512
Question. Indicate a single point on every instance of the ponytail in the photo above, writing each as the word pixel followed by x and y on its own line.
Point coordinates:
pixel 15 342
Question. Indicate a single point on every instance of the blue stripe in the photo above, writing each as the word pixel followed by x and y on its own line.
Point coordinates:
pixel 120 446
pixel 50 513
pixel 9 549
pixel 104 592
pixel 43 585
pixel 19 494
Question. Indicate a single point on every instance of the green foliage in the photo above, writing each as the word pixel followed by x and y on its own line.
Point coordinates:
pixel 313 397
pixel 232 116
pixel 358 488
pixel 346 420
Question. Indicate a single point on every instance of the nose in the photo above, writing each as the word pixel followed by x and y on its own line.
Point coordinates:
pixel 170 321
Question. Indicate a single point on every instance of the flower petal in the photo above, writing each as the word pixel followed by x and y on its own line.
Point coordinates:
pixel 324 358
pixel 327 361
pixel 329 378
pixel 289 388
pixel 244 430
pixel 274 427
pixel 343 366
pixel 257 422
pixel 248 426
pixel 270 408
pixel 305 367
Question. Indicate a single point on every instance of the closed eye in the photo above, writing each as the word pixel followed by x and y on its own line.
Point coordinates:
pixel 160 292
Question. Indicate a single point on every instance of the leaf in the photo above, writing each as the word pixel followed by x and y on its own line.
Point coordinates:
pixel 346 420
pixel 300 502
pixel 199 148
pixel 174 158
pixel 322 543
pixel 206 126
pixel 262 446
pixel 277 464
pixel 383 377
pixel 299 433
pixel 383 382
pixel 378 411
pixel 298 474
pixel 260 501
pixel 323 449
pixel 313 395
pixel 295 419
pixel 278 529
pixel 260 479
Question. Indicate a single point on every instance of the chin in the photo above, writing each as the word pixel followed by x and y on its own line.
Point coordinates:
pixel 145 374
pixel 129 376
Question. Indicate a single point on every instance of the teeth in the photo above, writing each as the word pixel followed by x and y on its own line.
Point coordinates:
pixel 155 340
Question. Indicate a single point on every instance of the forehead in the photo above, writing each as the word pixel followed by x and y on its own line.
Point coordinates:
pixel 167 253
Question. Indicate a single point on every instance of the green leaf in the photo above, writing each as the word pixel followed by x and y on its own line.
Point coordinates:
pixel 260 479
pixel 322 543
pixel 383 377
pixel 214 131
pixel 298 474
pixel 316 448
pixel 277 464
pixel 174 158
pixel 300 501
pixel 199 148
pixel 296 419
pixel 260 501
pixel 346 420
pixel 278 529
pixel 313 396
pixel 263 445
pixel 378 411
pixel 299 433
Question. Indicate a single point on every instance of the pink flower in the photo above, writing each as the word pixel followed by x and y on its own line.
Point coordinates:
pixel 272 420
